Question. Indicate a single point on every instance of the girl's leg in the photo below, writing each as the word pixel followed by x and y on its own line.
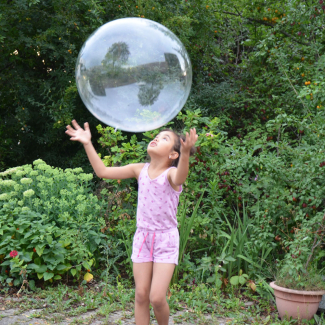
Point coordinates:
pixel 162 274
pixel 142 276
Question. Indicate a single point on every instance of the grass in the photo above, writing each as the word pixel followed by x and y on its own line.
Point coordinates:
pixel 196 304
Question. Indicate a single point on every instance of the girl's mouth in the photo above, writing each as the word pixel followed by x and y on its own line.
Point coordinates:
pixel 153 144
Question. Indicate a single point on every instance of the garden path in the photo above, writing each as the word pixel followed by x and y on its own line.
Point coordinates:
pixel 14 316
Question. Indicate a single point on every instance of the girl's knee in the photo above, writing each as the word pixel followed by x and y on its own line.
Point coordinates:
pixel 141 295
pixel 157 301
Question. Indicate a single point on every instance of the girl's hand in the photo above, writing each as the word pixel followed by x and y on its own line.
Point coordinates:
pixel 77 133
pixel 189 141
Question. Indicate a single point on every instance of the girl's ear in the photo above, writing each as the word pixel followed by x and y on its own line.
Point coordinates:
pixel 174 155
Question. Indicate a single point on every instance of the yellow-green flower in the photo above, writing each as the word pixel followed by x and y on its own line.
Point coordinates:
pixel 38 162
pixel 4 197
pixel 8 182
pixel 20 173
pixel 26 181
pixel 29 193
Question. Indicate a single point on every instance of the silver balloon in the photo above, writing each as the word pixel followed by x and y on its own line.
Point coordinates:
pixel 133 74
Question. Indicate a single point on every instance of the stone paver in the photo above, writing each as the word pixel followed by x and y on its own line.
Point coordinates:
pixel 14 317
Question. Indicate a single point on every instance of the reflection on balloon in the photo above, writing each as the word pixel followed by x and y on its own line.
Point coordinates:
pixel 133 74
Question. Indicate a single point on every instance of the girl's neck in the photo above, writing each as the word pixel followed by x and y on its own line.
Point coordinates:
pixel 158 165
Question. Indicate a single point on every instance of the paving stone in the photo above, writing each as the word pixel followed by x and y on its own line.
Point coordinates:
pixel 13 317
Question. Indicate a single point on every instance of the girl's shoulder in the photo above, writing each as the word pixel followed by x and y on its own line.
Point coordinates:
pixel 176 188
pixel 138 167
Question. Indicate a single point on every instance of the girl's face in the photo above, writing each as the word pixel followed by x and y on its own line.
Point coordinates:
pixel 162 145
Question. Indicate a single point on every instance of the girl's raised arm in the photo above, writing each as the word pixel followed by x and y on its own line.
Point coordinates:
pixel 178 175
pixel 77 133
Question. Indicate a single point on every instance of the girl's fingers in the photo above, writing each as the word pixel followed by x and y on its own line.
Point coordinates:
pixel 75 124
pixel 69 132
pixel 188 136
pixel 86 126
pixel 193 136
pixel 190 139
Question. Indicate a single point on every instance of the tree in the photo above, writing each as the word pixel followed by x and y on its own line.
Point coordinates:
pixel 249 59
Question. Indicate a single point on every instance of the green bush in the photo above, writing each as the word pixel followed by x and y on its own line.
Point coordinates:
pixel 265 177
pixel 51 218
pixel 260 189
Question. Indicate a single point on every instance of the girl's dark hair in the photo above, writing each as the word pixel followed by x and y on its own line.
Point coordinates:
pixel 177 146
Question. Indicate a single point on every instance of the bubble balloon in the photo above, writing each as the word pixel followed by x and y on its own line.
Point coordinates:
pixel 133 74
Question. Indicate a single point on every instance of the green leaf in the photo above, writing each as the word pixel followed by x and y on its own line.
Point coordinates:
pixel 38 261
pixel 211 278
pixel 242 279
pixel 218 283
pixel 73 272
pixel 48 276
pixel 41 269
pixel 40 275
pixel 57 277
pixel 31 284
pixel 39 250
pixel 86 265
pixel 234 280
pixel 49 239
pixel 32 266
pixel 61 267
pixel 249 261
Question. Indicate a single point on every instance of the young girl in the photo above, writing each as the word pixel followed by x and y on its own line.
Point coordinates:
pixel 156 241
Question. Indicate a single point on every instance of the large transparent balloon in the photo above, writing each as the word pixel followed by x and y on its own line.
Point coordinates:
pixel 133 74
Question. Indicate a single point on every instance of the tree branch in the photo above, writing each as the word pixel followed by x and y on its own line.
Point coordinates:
pixel 262 22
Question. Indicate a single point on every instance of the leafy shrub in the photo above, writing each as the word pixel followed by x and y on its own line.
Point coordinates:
pixel 52 219
pixel 267 177
pixel 299 268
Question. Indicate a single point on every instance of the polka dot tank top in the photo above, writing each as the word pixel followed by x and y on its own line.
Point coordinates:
pixel 157 201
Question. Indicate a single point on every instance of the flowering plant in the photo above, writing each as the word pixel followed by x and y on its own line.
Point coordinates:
pixel 17 265
pixel 298 270
pixel 13 253
pixel 50 223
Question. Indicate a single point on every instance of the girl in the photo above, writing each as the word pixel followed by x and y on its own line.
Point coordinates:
pixel 156 241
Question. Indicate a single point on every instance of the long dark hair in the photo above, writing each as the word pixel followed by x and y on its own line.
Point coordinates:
pixel 177 146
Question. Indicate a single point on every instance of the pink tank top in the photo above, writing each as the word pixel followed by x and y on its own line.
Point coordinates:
pixel 157 201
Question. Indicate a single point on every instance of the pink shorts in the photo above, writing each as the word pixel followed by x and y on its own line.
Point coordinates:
pixel 159 246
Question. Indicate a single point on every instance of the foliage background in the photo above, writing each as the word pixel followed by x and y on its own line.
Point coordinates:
pixel 258 67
